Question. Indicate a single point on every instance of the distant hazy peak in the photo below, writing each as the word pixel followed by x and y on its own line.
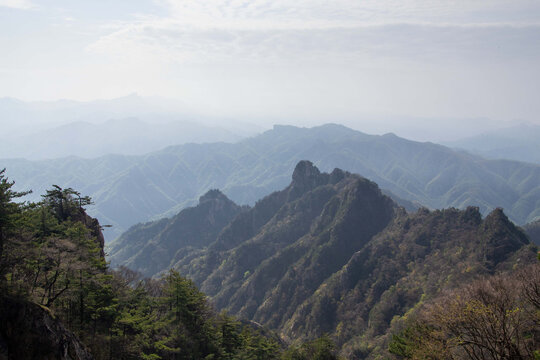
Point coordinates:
pixel 329 127
pixel 278 127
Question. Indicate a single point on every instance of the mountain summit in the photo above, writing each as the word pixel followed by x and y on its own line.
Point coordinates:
pixel 330 253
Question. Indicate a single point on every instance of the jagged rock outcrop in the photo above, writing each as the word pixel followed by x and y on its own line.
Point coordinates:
pixel 30 332
pixel 275 255
pixel 330 253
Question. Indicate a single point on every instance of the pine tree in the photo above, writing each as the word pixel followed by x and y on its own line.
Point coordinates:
pixel 8 210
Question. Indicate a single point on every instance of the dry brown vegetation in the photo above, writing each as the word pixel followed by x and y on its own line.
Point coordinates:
pixel 492 318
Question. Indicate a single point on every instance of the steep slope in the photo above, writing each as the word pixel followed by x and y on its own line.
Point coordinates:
pixel 331 254
pixel 45 249
pixel 151 247
pixel 132 189
pixel 274 256
pixel 413 259
pixel 285 250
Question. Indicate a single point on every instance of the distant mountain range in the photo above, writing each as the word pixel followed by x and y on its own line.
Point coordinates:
pixel 24 117
pixel 131 125
pixel 129 136
pixel 328 254
pixel 520 143
pixel 132 189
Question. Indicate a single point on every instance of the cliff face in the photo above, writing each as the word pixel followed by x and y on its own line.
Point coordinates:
pixel 30 332
pixel 51 245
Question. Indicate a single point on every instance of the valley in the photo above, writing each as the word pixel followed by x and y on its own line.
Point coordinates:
pixel 269 180
pixel 132 189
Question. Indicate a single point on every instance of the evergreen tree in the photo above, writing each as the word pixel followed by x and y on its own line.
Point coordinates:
pixel 8 210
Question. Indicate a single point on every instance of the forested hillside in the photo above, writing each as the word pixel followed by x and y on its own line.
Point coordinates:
pixel 331 254
pixel 155 246
pixel 132 189
pixel 59 299
pixel 495 317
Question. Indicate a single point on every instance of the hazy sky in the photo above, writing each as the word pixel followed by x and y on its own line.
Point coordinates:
pixel 303 59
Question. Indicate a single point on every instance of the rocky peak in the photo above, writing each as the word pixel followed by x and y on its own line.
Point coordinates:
pixel 498 222
pixel 305 177
pixel 337 175
pixel 501 235
pixel 213 194
pixel 304 172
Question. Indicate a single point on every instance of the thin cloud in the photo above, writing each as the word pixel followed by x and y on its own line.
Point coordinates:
pixel 322 13
pixel 17 4
pixel 172 41
pixel 311 58
pixel 243 30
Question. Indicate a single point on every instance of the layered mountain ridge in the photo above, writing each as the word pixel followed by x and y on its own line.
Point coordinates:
pixel 132 189
pixel 330 253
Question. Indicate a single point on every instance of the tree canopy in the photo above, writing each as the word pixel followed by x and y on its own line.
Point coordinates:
pixel 53 258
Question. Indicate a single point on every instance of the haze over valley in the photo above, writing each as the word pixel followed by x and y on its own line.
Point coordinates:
pixel 269 180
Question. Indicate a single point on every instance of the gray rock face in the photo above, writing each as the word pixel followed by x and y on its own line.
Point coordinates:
pixel 29 332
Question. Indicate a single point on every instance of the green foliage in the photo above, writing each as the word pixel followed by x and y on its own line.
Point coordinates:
pixel 407 342
pixel 152 248
pixel 319 349
pixel 492 318
pixel 52 258
pixel 9 210
pixel 338 257
pixel 321 257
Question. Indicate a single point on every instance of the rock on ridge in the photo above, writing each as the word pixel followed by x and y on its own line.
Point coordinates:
pixel 213 194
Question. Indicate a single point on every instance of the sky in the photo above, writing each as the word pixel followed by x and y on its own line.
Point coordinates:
pixel 307 61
